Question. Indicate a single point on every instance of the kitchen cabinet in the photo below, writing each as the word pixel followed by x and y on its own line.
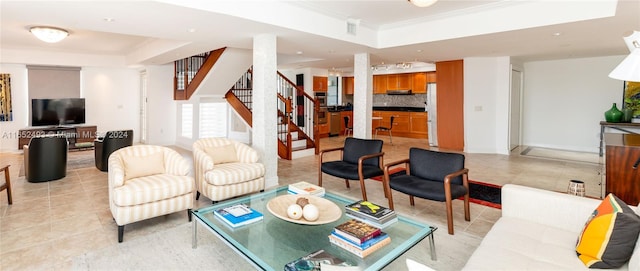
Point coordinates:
pixel 379 84
pixel 400 122
pixel 320 83
pixel 399 81
pixel 323 129
pixel 431 77
pixel 419 82
pixel 419 124
pixel 405 124
pixel 347 85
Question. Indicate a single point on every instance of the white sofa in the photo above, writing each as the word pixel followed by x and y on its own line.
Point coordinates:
pixel 538 230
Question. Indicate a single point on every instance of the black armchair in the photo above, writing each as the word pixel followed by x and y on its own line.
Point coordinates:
pixel 361 159
pixel 112 141
pixel 431 175
pixel 45 158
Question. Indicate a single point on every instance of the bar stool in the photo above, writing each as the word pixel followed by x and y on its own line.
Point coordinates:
pixel 7 183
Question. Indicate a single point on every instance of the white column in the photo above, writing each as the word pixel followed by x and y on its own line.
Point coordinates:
pixel 264 136
pixel 362 96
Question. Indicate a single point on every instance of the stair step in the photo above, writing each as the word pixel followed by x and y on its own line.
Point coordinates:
pixel 303 153
pixel 299 143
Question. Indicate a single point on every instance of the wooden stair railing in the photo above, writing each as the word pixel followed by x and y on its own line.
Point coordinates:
pixel 189 73
pixel 302 122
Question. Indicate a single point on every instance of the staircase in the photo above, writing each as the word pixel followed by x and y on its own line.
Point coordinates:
pixel 191 71
pixel 297 136
pixel 297 111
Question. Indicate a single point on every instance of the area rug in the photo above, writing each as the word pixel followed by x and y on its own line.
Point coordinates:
pixel 168 249
pixel 75 160
pixel 479 192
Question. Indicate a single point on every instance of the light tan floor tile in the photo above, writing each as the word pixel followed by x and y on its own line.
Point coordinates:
pixel 51 223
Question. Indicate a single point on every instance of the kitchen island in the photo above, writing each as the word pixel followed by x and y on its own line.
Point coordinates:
pixel 408 122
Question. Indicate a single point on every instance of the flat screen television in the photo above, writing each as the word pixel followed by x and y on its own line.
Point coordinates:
pixel 47 112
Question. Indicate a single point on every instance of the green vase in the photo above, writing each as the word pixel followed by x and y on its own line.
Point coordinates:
pixel 627 114
pixel 613 114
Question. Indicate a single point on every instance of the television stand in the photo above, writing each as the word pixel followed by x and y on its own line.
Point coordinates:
pixel 79 136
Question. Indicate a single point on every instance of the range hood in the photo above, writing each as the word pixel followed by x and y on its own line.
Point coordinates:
pixel 399 92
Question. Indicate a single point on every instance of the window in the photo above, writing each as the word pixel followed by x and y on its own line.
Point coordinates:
pixel 213 119
pixel 187 120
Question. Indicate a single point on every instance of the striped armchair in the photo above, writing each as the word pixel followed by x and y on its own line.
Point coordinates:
pixel 226 168
pixel 147 181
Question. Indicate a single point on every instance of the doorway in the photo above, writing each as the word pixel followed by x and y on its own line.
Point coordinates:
pixel 143 107
pixel 515 108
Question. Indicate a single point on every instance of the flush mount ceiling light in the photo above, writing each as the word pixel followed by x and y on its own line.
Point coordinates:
pixel 629 68
pixel 49 34
pixel 422 3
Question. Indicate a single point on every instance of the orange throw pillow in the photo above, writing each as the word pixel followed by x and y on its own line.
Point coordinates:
pixel 609 236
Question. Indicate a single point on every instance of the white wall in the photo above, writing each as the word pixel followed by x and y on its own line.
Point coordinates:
pixel 161 113
pixel 486 104
pixel 20 104
pixel 564 101
pixel 112 99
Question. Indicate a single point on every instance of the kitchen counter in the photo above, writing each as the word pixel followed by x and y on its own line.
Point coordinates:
pixel 379 108
pixel 399 108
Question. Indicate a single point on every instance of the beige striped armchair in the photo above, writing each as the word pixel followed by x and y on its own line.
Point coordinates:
pixel 225 168
pixel 147 181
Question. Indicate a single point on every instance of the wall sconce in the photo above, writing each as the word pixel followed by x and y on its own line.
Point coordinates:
pixel 49 34
pixel 422 3
pixel 629 68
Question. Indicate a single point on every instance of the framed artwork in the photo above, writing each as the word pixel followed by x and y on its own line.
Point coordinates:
pixel 632 97
pixel 6 111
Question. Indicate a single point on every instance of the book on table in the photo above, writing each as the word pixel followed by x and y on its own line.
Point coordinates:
pixel 238 215
pixel 373 223
pixel 305 188
pixel 364 249
pixel 316 261
pixel 371 211
pixel 356 231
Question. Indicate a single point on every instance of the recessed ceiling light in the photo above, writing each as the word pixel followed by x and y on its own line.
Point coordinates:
pixel 298 52
pixel 557 34
pixel 419 50
pixel 108 19
pixel 191 30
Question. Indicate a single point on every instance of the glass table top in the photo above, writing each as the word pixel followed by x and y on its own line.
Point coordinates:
pixel 273 242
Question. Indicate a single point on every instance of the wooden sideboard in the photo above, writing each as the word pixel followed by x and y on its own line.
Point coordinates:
pixel 80 136
pixel 622 166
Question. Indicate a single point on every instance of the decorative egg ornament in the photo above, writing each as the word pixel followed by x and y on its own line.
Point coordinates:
pixel 310 212
pixel 294 211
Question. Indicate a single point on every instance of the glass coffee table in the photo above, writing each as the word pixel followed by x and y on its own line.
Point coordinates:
pixel 271 243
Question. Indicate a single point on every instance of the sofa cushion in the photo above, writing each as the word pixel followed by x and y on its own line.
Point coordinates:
pixel 152 188
pixel 609 236
pixel 519 244
pixel 139 166
pixel 232 173
pixel 222 154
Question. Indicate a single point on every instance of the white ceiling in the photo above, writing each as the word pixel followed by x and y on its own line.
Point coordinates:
pixel 158 32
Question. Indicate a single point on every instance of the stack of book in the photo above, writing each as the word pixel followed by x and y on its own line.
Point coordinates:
pixel 359 238
pixel 238 215
pixel 376 215
pixel 305 188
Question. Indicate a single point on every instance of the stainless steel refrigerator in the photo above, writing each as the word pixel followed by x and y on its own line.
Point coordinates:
pixel 432 119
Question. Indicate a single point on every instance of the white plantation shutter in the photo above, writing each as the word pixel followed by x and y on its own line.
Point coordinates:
pixel 213 120
pixel 187 120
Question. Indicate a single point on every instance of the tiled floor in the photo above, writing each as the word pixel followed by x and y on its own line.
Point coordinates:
pixel 51 223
